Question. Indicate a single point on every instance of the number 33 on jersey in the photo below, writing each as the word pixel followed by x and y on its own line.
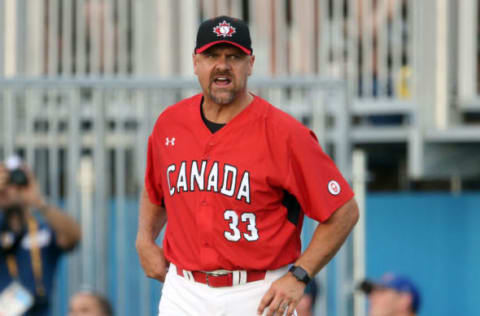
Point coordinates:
pixel 239 194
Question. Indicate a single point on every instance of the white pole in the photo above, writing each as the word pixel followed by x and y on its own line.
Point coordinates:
pixel 2 37
pixel 359 187
pixel 86 182
pixel 441 78
pixel 468 43
pixel 10 41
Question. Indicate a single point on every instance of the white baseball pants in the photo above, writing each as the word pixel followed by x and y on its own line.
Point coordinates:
pixel 183 297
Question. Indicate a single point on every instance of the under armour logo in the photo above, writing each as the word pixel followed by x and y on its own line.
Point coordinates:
pixel 169 141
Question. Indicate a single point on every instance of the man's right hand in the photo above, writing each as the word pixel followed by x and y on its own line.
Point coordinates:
pixel 152 218
pixel 152 260
pixel 4 176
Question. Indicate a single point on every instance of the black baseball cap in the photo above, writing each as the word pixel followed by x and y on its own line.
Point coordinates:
pixel 223 29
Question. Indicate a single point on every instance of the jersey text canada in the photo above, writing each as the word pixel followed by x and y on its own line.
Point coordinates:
pixel 224 179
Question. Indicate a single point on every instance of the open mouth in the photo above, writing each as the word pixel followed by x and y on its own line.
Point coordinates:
pixel 222 81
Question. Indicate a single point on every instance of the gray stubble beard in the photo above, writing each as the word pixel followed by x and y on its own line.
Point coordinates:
pixel 223 100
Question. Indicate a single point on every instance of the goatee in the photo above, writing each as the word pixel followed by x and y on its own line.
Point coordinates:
pixel 223 100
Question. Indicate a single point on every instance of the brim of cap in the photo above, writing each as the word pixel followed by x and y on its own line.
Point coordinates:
pixel 366 286
pixel 385 285
pixel 207 46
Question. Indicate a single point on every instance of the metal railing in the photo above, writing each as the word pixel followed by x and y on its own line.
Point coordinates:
pixel 394 54
pixel 367 42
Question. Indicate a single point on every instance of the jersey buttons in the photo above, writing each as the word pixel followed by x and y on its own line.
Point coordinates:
pixel 210 145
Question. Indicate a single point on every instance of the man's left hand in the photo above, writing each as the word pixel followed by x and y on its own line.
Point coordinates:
pixel 3 177
pixel 31 195
pixel 282 297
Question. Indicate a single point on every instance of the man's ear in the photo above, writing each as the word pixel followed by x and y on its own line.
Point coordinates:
pixel 195 62
pixel 250 66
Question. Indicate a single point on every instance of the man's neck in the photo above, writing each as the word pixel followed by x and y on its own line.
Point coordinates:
pixel 223 113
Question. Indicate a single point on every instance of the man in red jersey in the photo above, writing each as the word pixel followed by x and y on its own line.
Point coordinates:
pixel 234 176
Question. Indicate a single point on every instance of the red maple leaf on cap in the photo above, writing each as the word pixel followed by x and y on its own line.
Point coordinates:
pixel 224 29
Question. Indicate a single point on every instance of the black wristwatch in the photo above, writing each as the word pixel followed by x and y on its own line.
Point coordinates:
pixel 300 274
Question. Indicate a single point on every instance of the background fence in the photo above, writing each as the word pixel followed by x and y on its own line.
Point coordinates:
pixel 411 66
pixel 81 82
pixel 86 140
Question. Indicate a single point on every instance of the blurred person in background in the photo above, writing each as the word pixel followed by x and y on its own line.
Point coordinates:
pixel 307 303
pixel 392 295
pixel 33 236
pixel 87 303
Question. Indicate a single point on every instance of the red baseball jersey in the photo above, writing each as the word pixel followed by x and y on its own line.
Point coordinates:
pixel 235 199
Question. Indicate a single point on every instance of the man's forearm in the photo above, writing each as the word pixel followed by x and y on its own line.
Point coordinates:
pixel 65 227
pixel 151 220
pixel 328 238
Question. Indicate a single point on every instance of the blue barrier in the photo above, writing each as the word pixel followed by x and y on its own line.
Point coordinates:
pixel 430 237
pixel 433 238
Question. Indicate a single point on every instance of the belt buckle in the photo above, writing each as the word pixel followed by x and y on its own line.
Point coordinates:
pixel 212 274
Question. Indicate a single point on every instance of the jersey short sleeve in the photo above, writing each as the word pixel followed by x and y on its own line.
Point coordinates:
pixel 153 183
pixel 313 177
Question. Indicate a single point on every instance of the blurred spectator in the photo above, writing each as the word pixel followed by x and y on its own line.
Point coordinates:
pixel 307 303
pixel 33 236
pixel 89 304
pixel 392 295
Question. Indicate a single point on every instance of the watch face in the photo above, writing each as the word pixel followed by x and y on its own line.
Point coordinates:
pixel 300 274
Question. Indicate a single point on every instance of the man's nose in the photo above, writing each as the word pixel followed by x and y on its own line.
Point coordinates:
pixel 223 63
